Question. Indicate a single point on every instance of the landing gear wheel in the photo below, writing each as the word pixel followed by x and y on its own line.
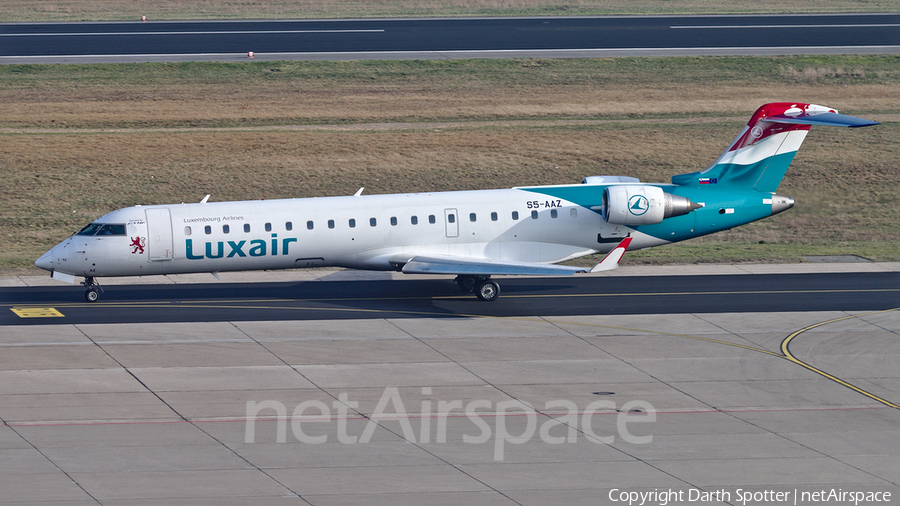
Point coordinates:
pixel 91 295
pixel 488 290
pixel 93 289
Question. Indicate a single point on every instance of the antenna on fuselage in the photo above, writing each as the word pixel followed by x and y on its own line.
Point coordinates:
pixel 204 199
pixel 359 192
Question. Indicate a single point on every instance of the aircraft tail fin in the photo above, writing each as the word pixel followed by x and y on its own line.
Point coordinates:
pixel 759 157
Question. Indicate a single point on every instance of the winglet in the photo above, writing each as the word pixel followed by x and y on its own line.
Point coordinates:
pixel 611 260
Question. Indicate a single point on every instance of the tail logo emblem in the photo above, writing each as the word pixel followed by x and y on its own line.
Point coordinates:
pixel 638 205
pixel 756 132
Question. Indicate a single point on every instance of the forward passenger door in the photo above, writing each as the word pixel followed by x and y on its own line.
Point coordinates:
pixel 159 231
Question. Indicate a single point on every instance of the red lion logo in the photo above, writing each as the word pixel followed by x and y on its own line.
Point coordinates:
pixel 137 245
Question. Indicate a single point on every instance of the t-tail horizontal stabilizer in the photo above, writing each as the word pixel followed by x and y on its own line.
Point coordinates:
pixel 760 155
pixel 825 118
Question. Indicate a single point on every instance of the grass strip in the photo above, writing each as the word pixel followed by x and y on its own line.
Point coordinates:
pixel 184 130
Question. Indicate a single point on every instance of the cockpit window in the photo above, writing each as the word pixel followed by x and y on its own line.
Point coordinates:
pixel 112 229
pixel 103 229
pixel 90 229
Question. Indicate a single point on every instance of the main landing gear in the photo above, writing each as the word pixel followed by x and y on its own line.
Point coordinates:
pixel 482 286
pixel 92 294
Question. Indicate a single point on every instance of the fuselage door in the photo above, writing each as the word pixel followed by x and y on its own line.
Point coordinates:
pixel 159 230
pixel 451 220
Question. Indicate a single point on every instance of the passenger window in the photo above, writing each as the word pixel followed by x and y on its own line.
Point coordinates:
pixel 289 226
pixel 431 219
pixel 553 213
pixel 246 228
pixel 330 223
pixel 472 217
pixel 309 225
pixel 451 218
pixel 372 222
pixel 352 223
pixel 414 220
pixel 494 217
pixel 393 221
pixel 534 215
pixel 515 215
pixel 187 230
pixel 573 212
pixel 207 229
pixel 268 227
pixel 226 229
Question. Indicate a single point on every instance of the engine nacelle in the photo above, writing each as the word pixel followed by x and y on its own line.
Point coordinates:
pixel 642 205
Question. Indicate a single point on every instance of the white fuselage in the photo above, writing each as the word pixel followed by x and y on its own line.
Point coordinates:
pixel 362 232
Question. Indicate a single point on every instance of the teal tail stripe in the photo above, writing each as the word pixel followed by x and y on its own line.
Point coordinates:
pixel 764 175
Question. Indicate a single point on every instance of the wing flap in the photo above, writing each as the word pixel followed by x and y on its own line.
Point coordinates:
pixel 483 267
pixel 488 267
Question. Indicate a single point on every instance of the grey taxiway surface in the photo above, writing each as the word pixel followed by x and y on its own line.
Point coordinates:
pixel 750 408
pixel 410 38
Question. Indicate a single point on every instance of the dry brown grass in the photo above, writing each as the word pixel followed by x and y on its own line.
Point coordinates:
pixel 286 93
pixel 221 105
pixel 499 129
pixel 93 10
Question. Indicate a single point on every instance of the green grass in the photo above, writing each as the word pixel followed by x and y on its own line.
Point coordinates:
pixel 822 69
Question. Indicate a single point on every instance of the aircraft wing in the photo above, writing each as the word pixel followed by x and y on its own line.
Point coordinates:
pixel 488 267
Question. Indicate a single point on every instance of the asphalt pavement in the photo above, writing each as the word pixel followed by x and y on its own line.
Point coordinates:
pixel 560 37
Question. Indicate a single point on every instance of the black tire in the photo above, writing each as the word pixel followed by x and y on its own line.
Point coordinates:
pixel 488 291
pixel 91 295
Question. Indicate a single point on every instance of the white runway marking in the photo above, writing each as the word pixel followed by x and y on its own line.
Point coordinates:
pixel 214 32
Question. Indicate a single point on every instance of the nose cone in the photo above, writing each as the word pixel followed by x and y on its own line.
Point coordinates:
pixel 46 261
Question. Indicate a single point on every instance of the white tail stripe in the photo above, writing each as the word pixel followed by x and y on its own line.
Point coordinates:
pixel 766 148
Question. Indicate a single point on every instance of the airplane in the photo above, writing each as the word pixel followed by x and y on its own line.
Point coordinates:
pixel 471 234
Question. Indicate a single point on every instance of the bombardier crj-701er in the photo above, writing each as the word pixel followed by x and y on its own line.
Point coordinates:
pixel 472 234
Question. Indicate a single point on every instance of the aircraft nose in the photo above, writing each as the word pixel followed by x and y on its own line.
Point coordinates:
pixel 45 261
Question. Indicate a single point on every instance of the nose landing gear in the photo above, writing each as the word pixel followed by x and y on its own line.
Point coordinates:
pixel 92 294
